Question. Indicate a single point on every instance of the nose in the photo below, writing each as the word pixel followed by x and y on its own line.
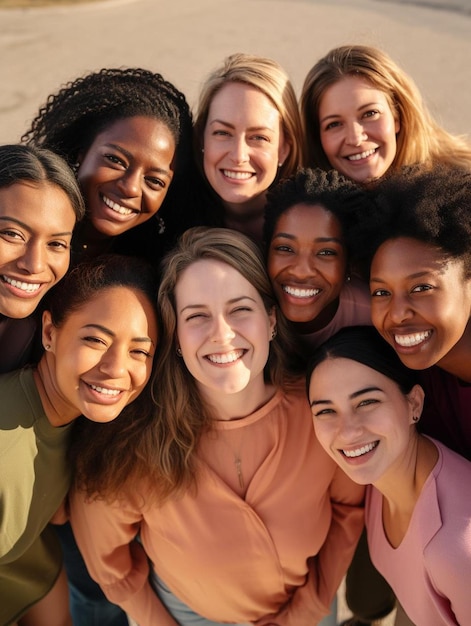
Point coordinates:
pixel 113 363
pixel 221 330
pixel 350 426
pixel 33 261
pixel 355 134
pixel 130 183
pixel 239 150
pixel 303 267
pixel 399 309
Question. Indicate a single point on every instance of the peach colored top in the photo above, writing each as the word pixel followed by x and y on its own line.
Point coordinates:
pixel 279 527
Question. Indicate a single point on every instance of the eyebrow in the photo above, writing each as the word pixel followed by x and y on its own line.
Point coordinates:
pixel 293 238
pixel 251 128
pixel 415 275
pixel 352 396
pixel 130 156
pixel 203 306
pixel 111 334
pixel 6 218
pixel 363 106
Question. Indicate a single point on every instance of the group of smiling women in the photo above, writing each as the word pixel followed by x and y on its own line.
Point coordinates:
pixel 262 342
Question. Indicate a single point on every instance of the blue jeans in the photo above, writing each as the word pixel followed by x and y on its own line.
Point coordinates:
pixel 88 604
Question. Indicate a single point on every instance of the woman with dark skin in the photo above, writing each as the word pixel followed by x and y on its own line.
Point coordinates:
pixel 127 135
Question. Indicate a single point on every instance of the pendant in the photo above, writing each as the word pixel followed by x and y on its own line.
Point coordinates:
pixel 239 473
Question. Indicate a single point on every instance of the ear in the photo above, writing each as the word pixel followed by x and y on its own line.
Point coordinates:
pixel 48 334
pixel 397 124
pixel 284 149
pixel 416 403
pixel 272 322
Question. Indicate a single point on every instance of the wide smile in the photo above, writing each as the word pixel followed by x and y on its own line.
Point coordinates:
pixel 22 286
pixel 412 340
pixel 361 155
pixel 117 208
pixel 226 358
pixel 302 293
pixel 104 394
pixel 355 453
pixel 235 175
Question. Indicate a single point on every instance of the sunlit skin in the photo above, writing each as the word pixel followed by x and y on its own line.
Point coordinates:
pixel 365 423
pixel 36 224
pixel 125 174
pixel 358 129
pixel 243 146
pixel 421 305
pixel 224 332
pixel 99 359
pixel 307 265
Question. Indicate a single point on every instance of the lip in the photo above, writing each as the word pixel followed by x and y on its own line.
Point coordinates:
pixel 300 293
pixel 361 157
pixel 22 288
pixel 411 341
pixel 359 453
pixel 237 176
pixel 226 358
pixel 111 209
pixel 103 394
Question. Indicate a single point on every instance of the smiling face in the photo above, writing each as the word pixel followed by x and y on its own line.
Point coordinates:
pixel 358 129
pixel 243 145
pixel 421 302
pixel 100 358
pixel 125 174
pixel 364 424
pixel 223 330
pixel 307 264
pixel 36 223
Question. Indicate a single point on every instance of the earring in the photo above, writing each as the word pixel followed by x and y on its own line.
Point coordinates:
pixel 280 164
pixel 348 278
pixel 179 352
pixel 47 347
pixel 273 333
pixel 416 418
pixel 75 167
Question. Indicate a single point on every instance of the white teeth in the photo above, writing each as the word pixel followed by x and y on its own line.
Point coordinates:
pixel 29 287
pixel 229 357
pixel 360 451
pixel 237 175
pixel 105 391
pixel 407 341
pixel 361 155
pixel 116 207
pixel 300 293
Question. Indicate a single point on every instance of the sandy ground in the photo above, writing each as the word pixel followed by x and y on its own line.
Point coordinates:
pixel 44 47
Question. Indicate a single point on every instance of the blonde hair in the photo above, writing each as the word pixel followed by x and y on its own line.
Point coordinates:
pixel 268 77
pixel 420 138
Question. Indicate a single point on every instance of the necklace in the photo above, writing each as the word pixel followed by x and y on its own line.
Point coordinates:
pixel 238 464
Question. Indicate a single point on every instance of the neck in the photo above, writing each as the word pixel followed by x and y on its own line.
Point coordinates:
pixel 458 359
pixel 235 406
pixel 58 411
pixel 401 486
pixel 319 322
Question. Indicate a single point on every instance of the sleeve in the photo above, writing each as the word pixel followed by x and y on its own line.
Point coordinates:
pixel 311 602
pixel 106 536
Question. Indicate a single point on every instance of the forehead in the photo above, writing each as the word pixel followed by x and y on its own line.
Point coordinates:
pixel 404 254
pixel 30 202
pixel 243 99
pixel 354 376
pixel 136 129
pixel 349 89
pixel 309 220
pixel 210 280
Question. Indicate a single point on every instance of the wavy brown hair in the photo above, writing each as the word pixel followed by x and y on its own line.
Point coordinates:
pixel 420 138
pixel 157 442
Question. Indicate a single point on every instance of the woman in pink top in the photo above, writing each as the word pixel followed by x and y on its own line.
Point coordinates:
pixel 418 511
pixel 240 515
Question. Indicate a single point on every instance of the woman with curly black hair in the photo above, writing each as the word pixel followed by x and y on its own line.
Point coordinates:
pixel 419 243
pixel 127 133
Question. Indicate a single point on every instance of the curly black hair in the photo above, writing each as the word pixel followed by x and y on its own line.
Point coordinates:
pixel 430 204
pixel 72 118
pixel 337 194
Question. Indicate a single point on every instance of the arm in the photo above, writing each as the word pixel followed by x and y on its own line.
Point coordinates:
pixel 311 602
pixel 105 534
